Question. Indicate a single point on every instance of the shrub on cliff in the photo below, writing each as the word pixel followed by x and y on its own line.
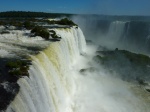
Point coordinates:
pixel 66 21
pixel 40 31
pixel 28 25
pixel 17 68
pixel 63 21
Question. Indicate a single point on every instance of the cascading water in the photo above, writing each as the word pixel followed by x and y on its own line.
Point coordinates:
pixel 114 36
pixel 116 31
pixel 56 85
pixel 50 86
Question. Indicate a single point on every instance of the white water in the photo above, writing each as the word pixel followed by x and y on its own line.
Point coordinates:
pixel 116 31
pixel 115 35
pixel 55 84
pixel 17 41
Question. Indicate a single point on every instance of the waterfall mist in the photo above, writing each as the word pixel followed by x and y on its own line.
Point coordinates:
pixel 108 88
pixel 124 32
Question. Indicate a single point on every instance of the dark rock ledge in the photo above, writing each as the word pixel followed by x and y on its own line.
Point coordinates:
pixel 10 71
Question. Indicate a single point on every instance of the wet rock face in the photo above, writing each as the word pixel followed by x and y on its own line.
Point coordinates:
pixel 8 92
pixel 10 71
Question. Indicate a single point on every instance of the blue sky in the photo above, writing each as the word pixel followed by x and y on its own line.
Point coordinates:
pixel 109 7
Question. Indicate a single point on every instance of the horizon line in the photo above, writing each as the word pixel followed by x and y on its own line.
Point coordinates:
pixel 75 13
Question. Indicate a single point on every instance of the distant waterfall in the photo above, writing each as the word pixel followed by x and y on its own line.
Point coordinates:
pixel 50 85
pixel 116 31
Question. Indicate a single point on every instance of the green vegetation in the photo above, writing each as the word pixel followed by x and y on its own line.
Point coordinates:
pixel 64 21
pixel 35 25
pixel 18 68
pixel 139 59
pixel 20 14
pixel 15 64
pixel 10 22
pixel 18 22
pixel 130 66
pixel 40 31
pixel 28 25
pixel 134 58
pixel 11 69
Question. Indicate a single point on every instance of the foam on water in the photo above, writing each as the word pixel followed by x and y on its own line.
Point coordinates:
pixel 17 41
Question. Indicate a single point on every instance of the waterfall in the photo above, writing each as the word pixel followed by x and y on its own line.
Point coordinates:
pixel 56 85
pixel 50 86
pixel 116 31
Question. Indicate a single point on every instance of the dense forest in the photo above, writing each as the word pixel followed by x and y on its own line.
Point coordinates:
pixel 31 14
